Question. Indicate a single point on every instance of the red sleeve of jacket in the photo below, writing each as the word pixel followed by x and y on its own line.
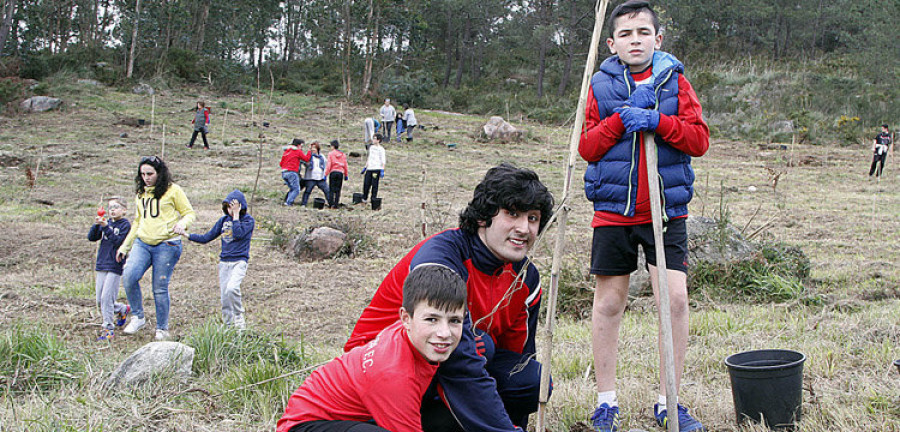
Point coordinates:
pixel 687 131
pixel 305 156
pixel 598 135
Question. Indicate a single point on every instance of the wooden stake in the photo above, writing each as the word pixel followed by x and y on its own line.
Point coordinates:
pixel 152 112
pixel 341 117
pixel 665 311
pixel 224 121
pixel 258 171
pixel 424 221
pixel 563 211
pixel 251 109
pixel 162 153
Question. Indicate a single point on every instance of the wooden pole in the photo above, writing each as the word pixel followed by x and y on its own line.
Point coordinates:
pixel 224 121
pixel 665 311
pixel 162 153
pixel 547 331
pixel 152 112
pixel 424 221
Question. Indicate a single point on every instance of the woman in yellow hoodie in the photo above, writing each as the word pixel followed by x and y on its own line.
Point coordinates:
pixel 162 214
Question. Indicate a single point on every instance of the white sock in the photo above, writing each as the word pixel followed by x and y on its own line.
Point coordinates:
pixel 662 404
pixel 607 397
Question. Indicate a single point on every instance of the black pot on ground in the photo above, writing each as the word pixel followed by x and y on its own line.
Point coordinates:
pixel 767 386
pixel 319 203
pixel 376 203
pixel 357 198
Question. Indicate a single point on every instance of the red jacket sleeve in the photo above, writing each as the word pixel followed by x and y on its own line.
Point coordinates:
pixel 598 135
pixel 687 131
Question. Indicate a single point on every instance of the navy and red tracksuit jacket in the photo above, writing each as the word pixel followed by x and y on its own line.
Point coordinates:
pixel 468 389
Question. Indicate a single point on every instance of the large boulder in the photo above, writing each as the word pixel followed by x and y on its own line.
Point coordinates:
pixel 151 360
pixel 707 242
pixel 500 130
pixel 319 244
pixel 143 88
pixel 40 104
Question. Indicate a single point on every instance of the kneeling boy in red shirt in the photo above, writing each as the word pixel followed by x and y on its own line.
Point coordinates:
pixel 384 380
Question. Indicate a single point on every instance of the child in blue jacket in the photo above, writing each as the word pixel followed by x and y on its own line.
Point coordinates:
pixel 111 232
pixel 236 229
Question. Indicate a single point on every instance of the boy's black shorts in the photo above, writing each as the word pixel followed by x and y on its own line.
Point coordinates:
pixel 614 248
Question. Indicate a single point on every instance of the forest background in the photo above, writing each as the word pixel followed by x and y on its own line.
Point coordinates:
pixel 831 67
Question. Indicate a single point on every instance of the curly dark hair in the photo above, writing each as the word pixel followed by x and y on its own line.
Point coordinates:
pixel 506 187
pixel 163 177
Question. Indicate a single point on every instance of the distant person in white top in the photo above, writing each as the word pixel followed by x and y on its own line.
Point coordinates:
pixel 388 113
pixel 370 127
pixel 374 168
pixel 410 118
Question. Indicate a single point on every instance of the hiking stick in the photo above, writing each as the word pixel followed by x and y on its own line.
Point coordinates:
pixel 665 311
pixel 547 331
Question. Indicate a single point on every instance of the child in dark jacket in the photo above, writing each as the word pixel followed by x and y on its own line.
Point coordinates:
pixel 236 229
pixel 201 124
pixel 111 232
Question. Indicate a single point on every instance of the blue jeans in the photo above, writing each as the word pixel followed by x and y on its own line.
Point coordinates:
pixel 163 258
pixel 321 184
pixel 292 180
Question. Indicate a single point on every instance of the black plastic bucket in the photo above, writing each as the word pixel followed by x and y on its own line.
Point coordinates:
pixel 376 203
pixel 767 386
pixel 897 363
pixel 357 198
pixel 319 203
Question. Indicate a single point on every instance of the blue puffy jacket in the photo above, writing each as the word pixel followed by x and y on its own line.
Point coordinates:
pixel 611 183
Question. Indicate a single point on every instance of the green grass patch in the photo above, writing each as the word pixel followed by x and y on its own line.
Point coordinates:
pixel 219 348
pixel 31 359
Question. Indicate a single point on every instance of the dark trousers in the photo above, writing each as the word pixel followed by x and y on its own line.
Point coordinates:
pixel 194 137
pixel 878 160
pixel 371 182
pixel 335 183
pixel 310 184
pixel 518 380
pixel 387 130
pixel 336 426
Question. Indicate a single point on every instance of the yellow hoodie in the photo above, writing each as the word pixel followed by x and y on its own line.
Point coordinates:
pixel 154 219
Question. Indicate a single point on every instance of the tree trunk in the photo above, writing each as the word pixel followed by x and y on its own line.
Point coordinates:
pixel 372 26
pixel 201 25
pixel 7 12
pixel 134 35
pixel 346 74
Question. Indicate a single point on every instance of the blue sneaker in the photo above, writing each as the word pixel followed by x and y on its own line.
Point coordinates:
pixel 105 335
pixel 686 423
pixel 120 317
pixel 605 418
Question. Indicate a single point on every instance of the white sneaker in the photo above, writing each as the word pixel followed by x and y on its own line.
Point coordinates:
pixel 162 335
pixel 134 325
pixel 239 322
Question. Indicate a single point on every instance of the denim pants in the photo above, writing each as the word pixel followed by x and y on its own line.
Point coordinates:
pixel 292 180
pixel 107 289
pixel 321 184
pixel 231 273
pixel 163 258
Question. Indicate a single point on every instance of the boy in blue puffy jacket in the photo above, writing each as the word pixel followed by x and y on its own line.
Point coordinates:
pixel 638 90
pixel 236 230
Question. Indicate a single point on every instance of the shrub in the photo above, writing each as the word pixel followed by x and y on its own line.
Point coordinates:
pixel 10 90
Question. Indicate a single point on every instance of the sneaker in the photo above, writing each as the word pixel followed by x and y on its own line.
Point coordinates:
pixel 105 335
pixel 120 317
pixel 162 335
pixel 135 325
pixel 605 418
pixel 686 423
pixel 239 322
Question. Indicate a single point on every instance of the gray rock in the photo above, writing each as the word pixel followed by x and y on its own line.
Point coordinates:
pixel 782 126
pixel 707 242
pixel 499 129
pixel 40 104
pixel 143 88
pixel 89 82
pixel 319 244
pixel 123 135
pixel 151 360
pixel 280 110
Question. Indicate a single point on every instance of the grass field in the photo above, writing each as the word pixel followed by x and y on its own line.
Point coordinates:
pixel 300 313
